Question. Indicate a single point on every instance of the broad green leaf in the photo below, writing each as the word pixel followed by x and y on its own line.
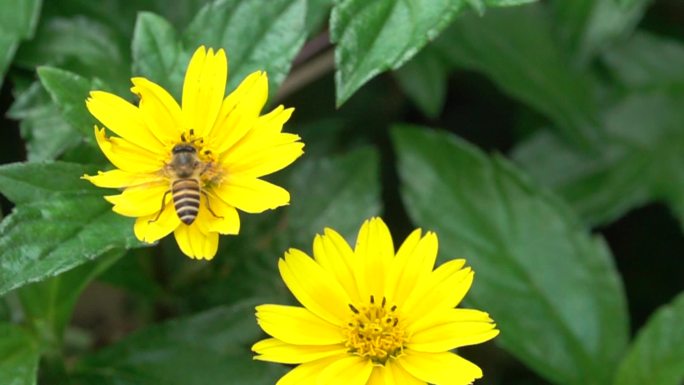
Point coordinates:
pixel 656 356
pixel 59 222
pixel 588 26
pixel 209 348
pixel 18 356
pixel 647 62
pixel 376 36
pixel 69 92
pixel 81 45
pixel 551 287
pixel 640 161
pixel 256 36
pixel 157 52
pixel 46 134
pixel 317 14
pixel 346 192
pixel 19 17
pixel 18 20
pixel 48 304
pixel 424 80
pixel 515 48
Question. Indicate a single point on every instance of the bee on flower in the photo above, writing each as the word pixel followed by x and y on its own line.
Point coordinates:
pixel 188 168
pixel 373 317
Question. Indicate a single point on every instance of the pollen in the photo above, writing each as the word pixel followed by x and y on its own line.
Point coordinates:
pixel 374 331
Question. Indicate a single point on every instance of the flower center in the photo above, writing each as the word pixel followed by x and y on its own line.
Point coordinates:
pixel 374 331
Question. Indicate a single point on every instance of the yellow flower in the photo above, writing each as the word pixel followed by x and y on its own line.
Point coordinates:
pixel 373 317
pixel 186 169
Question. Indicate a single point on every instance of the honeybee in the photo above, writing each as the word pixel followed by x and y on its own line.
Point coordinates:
pixel 185 171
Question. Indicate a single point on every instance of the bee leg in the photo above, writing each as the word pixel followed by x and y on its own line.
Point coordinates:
pixel 163 205
pixel 209 207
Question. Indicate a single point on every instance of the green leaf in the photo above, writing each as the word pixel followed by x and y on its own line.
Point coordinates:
pixel 317 12
pixel 640 160
pixel 424 80
pixel 18 20
pixel 81 45
pixel 255 36
pixel 46 134
pixel 18 356
pixel 551 287
pixel 346 193
pixel 647 62
pixel 589 26
pixel 59 222
pixel 19 17
pixel 69 92
pixel 48 304
pixel 376 36
pixel 656 356
pixel 157 52
pixel 515 48
pixel 209 348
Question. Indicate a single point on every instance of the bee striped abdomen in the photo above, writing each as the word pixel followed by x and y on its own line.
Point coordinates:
pixel 186 199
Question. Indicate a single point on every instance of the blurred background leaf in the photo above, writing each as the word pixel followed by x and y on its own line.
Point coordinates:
pixel 658 350
pixel 208 348
pixel 18 19
pixel 18 355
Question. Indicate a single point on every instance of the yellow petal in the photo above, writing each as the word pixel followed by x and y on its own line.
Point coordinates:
pixel 251 195
pixel 124 119
pixel 153 227
pixel 333 253
pixel 375 251
pixel 442 290
pixel 350 370
pixel 264 149
pixel 413 263
pixel 159 110
pixel 307 373
pixel 440 368
pixel 195 243
pixel 141 200
pixel 119 179
pixel 452 329
pixel 266 159
pixel 394 374
pixel 239 112
pixel 314 287
pixel 296 325
pixel 127 156
pixel 204 88
pixel 274 350
pixel 224 219
pixel 377 377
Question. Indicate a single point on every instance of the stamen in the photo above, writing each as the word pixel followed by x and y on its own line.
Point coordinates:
pixel 374 332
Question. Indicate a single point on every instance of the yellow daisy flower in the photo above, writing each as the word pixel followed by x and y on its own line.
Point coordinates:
pixel 371 316
pixel 186 169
